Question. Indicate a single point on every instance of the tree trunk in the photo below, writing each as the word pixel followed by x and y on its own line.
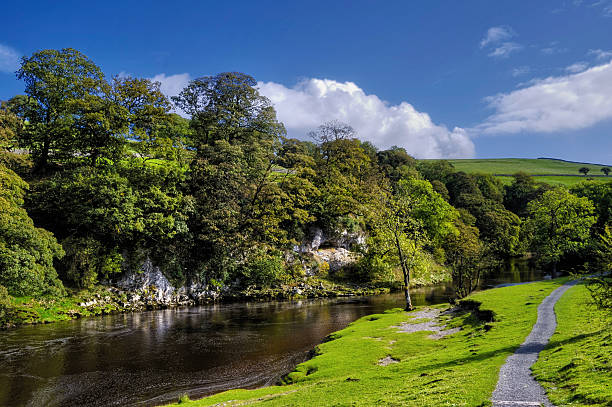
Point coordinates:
pixel 553 272
pixel 406 273
pixel 41 166
pixel 407 290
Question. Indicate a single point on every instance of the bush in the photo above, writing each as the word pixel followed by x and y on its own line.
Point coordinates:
pixel 5 303
pixel 263 269
pixel 26 252
pixel 87 261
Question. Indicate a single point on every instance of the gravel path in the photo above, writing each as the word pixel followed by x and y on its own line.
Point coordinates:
pixel 516 386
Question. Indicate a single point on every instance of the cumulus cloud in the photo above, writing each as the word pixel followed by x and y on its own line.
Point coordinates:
pixel 171 85
pixel 577 67
pixel 496 34
pixel 9 59
pixel 570 102
pixel 312 102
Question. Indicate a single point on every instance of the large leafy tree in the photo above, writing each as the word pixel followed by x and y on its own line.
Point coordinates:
pixel 10 125
pixel 411 217
pixel 151 128
pixel 236 137
pixel 56 82
pixel 26 252
pixel 559 224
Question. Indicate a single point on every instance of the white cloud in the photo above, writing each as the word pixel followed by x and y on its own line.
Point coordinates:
pixel 505 49
pixel 600 53
pixel 172 85
pixel 496 34
pixel 311 102
pixel 562 103
pixel 9 59
pixel 577 67
pixel 521 70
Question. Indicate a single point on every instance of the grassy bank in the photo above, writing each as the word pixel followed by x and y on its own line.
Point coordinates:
pixel 460 369
pixel 103 300
pixel 576 367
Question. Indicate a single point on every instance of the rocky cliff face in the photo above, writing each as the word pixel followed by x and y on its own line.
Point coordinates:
pixel 149 287
pixel 333 248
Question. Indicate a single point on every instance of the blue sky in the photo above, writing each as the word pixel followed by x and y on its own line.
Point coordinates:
pixel 440 78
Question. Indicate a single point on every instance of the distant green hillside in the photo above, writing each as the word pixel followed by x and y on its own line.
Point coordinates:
pixel 539 166
pixel 551 171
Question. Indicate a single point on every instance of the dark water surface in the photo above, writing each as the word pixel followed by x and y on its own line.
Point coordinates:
pixel 152 357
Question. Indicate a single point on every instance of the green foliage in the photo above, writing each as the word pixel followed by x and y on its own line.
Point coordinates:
pixel 10 125
pixel 26 252
pixel 600 194
pixel 584 170
pixel 413 216
pixel 5 304
pixel 559 224
pixel 463 252
pixel 523 190
pixel 435 170
pixel 263 269
pixel 600 267
pixel 59 86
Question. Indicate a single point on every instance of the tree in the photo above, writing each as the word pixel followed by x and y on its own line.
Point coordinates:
pixel 606 171
pixel 148 117
pixel 10 125
pixel 522 191
pixel 559 223
pixel 411 217
pixel 600 281
pixel 54 81
pixel 584 170
pixel 27 253
pixel 463 251
pixel 236 137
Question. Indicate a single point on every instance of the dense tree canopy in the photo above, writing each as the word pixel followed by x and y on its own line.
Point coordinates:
pixel 224 197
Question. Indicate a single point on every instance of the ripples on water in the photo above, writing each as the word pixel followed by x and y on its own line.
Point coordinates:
pixel 153 357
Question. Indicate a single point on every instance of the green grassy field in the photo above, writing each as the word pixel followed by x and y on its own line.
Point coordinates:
pixel 458 370
pixel 539 167
pixel 576 367
pixel 529 166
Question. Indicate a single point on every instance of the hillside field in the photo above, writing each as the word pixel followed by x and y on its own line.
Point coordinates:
pixel 551 171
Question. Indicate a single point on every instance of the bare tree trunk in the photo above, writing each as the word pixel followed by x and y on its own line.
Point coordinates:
pixel 554 270
pixel 407 290
pixel 406 273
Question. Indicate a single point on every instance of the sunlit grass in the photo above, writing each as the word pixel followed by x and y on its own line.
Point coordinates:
pixel 457 370
pixel 576 367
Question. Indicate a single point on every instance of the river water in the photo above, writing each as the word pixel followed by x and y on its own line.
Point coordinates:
pixel 151 358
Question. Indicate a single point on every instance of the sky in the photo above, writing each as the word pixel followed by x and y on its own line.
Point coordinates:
pixel 443 79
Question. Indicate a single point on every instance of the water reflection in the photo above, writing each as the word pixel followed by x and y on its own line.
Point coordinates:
pixel 153 357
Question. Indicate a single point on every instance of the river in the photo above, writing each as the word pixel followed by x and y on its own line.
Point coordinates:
pixel 151 358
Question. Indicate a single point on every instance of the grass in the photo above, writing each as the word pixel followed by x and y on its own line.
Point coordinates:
pixel 527 165
pixel 457 370
pixel 29 310
pixel 541 167
pixel 576 367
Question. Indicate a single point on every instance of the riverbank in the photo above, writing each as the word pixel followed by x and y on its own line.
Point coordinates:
pixel 388 359
pixel 104 300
